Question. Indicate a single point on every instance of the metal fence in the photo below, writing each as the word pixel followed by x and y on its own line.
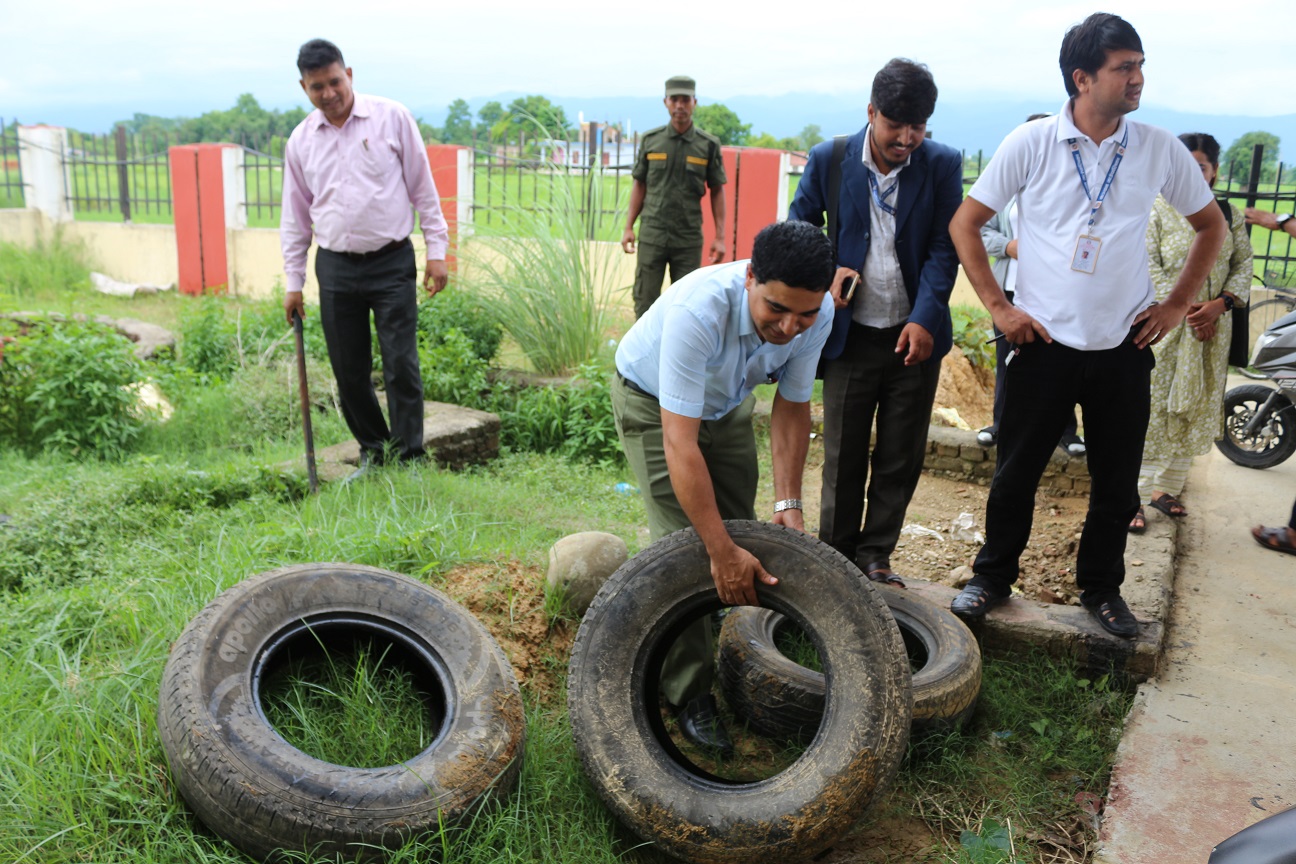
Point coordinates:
pixel 11 185
pixel 262 187
pixel 119 175
pixel 1275 251
pixel 587 171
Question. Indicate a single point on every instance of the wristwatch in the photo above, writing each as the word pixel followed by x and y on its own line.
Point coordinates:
pixel 1229 302
pixel 1282 220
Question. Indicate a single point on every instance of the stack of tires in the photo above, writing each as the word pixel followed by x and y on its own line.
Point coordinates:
pixel 853 718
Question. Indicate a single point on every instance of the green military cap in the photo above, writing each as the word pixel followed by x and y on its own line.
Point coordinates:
pixel 680 85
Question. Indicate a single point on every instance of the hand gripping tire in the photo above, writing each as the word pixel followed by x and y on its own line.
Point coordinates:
pixel 782 699
pixel 643 778
pixel 250 786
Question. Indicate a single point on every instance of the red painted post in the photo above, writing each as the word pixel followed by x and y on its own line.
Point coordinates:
pixel 444 160
pixel 758 196
pixel 731 166
pixel 198 202
pixel 211 217
pixel 184 204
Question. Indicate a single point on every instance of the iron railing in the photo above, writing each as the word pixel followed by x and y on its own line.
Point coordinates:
pixel 262 187
pixel 119 175
pixel 1275 252
pixel 588 170
pixel 11 184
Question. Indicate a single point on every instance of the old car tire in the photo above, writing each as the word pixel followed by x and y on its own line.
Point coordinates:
pixel 250 786
pixel 652 787
pixel 782 699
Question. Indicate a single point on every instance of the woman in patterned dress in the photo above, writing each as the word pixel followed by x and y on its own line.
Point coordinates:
pixel 1192 360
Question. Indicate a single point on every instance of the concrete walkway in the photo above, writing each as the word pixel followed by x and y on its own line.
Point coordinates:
pixel 1210 746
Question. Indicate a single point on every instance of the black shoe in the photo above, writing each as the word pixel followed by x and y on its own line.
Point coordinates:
pixel 1115 617
pixel 974 601
pixel 1072 444
pixel 699 720
pixel 988 437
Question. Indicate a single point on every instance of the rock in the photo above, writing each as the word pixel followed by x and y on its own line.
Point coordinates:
pixel 959 577
pixel 148 338
pixel 579 564
pixel 1048 595
pixel 967 390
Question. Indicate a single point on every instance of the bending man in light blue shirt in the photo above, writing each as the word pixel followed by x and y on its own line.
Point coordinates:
pixel 683 405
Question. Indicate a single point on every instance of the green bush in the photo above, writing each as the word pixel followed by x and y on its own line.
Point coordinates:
pixel 453 309
pixel 71 388
pixel 452 370
pixel 972 327
pixel 218 337
pixel 575 419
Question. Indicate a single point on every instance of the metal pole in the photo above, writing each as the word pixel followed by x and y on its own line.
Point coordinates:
pixel 123 174
pixel 305 403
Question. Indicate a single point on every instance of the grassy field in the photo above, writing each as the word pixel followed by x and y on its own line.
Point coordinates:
pixel 102 563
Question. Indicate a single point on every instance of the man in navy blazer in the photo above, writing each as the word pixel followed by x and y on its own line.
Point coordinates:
pixel 896 269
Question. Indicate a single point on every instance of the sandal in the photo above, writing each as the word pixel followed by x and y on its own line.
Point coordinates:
pixel 1169 505
pixel 880 571
pixel 1139 523
pixel 1278 539
pixel 1115 617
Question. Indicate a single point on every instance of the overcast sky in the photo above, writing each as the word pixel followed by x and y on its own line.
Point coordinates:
pixel 60 56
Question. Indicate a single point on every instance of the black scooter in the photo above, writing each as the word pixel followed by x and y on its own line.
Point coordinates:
pixel 1259 421
pixel 1270 841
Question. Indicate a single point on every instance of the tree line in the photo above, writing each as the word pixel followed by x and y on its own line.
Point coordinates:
pixel 536 116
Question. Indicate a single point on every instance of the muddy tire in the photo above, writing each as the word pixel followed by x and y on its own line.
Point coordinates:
pixel 781 699
pixel 652 787
pixel 250 786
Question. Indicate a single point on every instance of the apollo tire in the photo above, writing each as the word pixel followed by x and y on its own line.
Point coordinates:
pixel 253 788
pixel 652 787
pixel 782 699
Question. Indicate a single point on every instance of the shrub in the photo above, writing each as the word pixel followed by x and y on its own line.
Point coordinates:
pixel 972 327
pixel 218 337
pixel 69 387
pixel 575 420
pixel 454 309
pixel 453 371
pixel 207 339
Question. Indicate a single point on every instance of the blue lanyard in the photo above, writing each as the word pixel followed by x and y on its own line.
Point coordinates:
pixel 1111 175
pixel 880 196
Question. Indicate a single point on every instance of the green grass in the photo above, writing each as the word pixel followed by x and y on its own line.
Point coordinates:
pixel 105 562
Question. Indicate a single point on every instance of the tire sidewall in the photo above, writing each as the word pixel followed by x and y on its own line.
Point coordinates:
pixel 208 716
pixel 792 814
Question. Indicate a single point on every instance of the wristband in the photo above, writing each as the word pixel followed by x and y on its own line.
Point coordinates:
pixel 1229 303
pixel 787 504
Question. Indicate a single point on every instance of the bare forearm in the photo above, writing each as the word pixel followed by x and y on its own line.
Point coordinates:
pixel 966 235
pixel 693 489
pixel 789 444
pixel 637 194
pixel 1202 253
pixel 718 209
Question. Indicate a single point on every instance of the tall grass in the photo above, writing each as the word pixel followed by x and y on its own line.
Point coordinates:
pixel 550 287
pixel 54 264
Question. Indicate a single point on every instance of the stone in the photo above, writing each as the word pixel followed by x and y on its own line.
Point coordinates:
pixel 579 564
pixel 959 577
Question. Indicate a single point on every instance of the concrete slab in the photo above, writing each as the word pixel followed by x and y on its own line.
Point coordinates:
pixel 1208 746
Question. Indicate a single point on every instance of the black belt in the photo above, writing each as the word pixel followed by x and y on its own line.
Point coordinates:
pixel 633 386
pixel 364 256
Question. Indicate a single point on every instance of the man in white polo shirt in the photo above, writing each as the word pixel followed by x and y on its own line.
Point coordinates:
pixel 1085 311
pixel 683 406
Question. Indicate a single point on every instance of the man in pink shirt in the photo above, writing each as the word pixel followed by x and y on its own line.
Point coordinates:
pixel 355 170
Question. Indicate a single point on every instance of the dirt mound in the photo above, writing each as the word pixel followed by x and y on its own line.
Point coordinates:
pixel 965 393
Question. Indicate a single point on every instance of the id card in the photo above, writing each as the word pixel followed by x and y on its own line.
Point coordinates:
pixel 1086 254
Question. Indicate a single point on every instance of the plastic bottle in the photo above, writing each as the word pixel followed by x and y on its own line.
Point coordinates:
pixel 624 488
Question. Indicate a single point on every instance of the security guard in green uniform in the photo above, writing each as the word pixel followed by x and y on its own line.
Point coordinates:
pixel 676 164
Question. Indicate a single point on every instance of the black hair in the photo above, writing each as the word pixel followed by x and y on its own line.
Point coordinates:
pixel 1085 46
pixel 795 253
pixel 904 91
pixel 318 54
pixel 1204 144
